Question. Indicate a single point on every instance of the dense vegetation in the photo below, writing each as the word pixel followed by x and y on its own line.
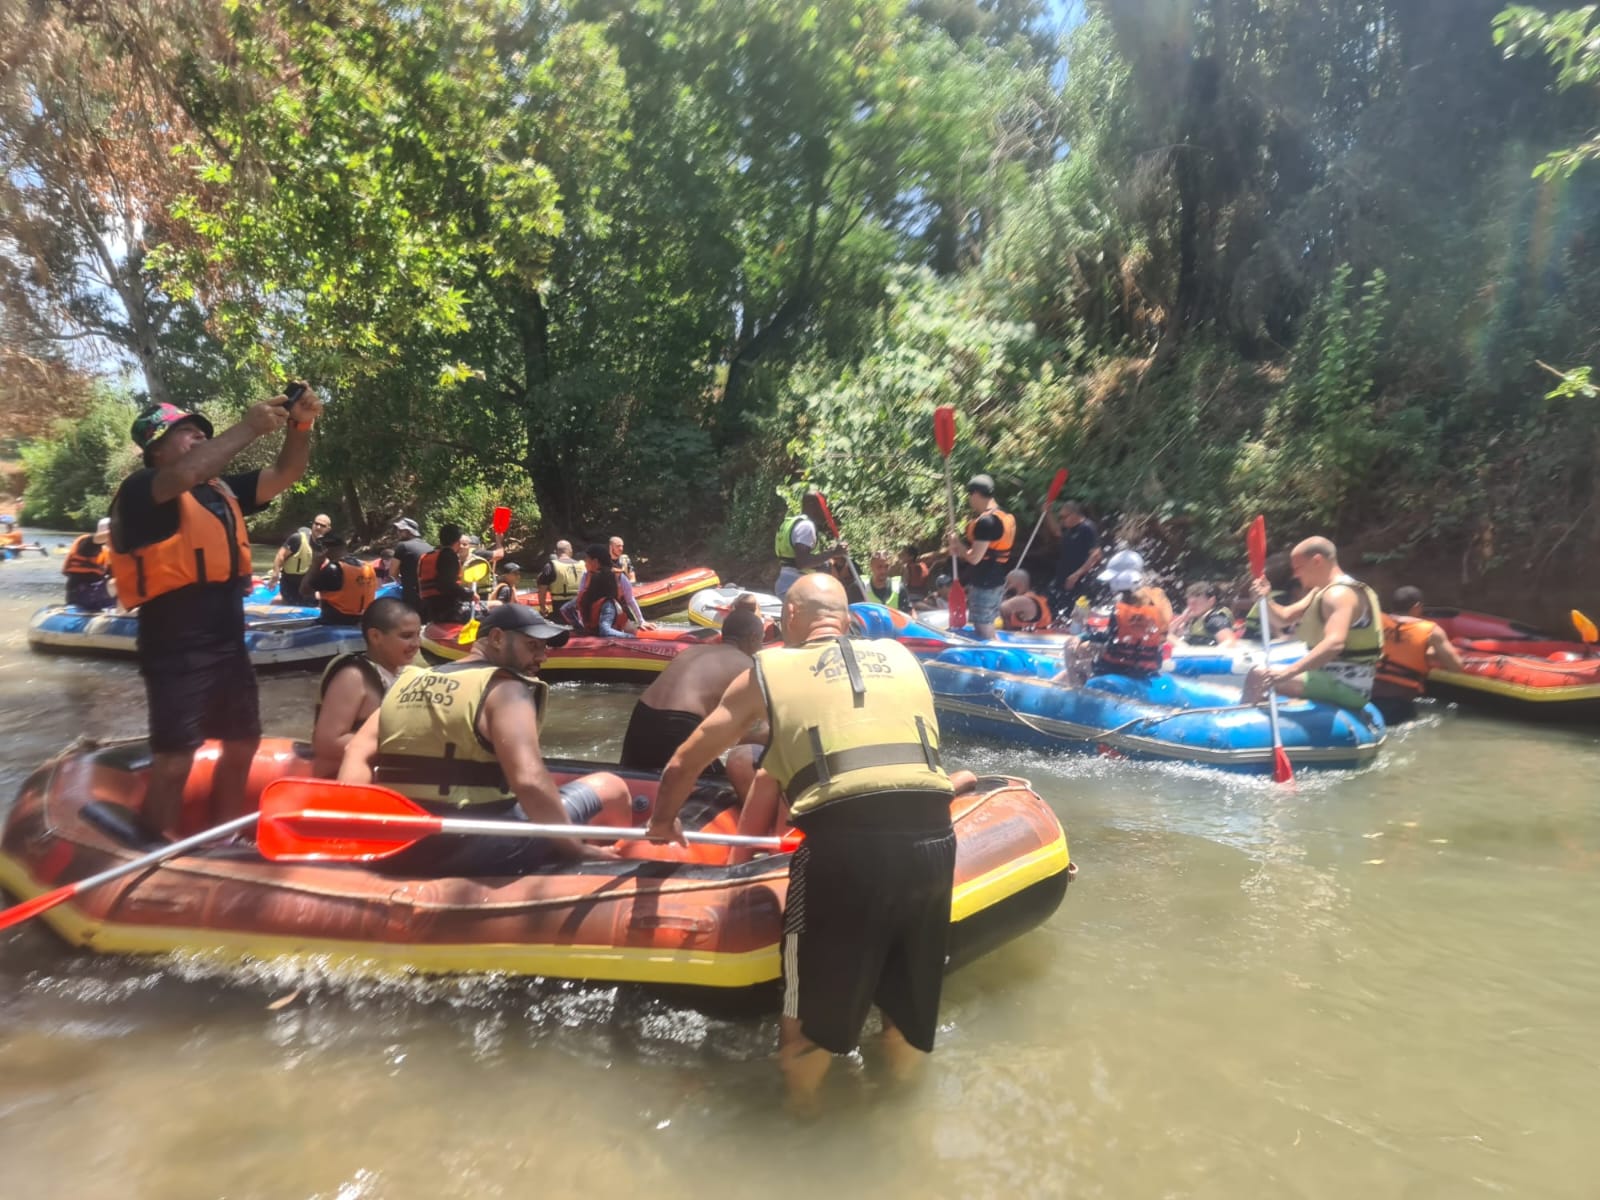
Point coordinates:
pixel 647 266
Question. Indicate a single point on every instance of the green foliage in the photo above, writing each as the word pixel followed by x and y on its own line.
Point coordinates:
pixel 73 474
pixel 1570 39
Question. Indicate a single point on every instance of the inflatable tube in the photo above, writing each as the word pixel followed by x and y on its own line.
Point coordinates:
pixel 275 636
pixel 673 924
pixel 1008 696
pixel 1459 623
pixel 637 659
pixel 673 592
pixel 709 606
pixel 1550 679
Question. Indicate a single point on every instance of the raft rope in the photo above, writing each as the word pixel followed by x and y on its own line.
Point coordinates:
pixel 1101 735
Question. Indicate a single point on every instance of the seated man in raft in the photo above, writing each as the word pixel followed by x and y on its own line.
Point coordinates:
pixel 463 740
pixel 683 695
pixel 1023 609
pixel 353 685
pixel 344 583
pixel 1205 619
pixel 1133 639
pixel 88 570
pixel 1341 624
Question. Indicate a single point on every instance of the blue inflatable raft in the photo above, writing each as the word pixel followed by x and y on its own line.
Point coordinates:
pixel 262 594
pixel 1007 696
pixel 276 636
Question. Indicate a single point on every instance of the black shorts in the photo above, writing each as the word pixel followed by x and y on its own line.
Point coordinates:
pixel 654 735
pixel 867 922
pixel 196 694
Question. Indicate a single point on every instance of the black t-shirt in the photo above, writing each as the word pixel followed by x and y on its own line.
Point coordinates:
pixel 410 553
pixel 987 574
pixel 1077 544
pixel 202 615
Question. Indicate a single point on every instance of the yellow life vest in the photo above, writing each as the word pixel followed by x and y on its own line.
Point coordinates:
pixel 1363 645
pixel 382 679
pixel 299 562
pixel 849 718
pixel 568 576
pixel 783 541
pixel 429 747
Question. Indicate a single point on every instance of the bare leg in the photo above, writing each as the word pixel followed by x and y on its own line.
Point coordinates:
pixel 616 798
pixel 163 797
pixel 742 769
pixel 1255 687
pixel 804 1064
pixel 905 1060
pixel 760 816
pixel 230 778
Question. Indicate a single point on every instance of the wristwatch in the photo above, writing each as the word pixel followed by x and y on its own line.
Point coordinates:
pixel 302 425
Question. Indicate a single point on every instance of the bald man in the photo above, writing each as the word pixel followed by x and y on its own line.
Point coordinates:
pixel 854 748
pixel 294 559
pixel 1340 622
pixel 559 579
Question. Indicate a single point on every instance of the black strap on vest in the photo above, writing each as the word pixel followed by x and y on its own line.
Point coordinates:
pixel 852 670
pixel 929 754
pixel 443 773
pixel 864 758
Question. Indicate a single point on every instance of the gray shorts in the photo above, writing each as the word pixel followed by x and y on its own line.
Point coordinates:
pixel 983 605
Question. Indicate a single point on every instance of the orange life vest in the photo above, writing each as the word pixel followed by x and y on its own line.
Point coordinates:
pixel 1404 666
pixel 13 538
pixel 999 550
pixel 589 606
pixel 428 585
pixel 205 549
pixel 90 563
pixel 1039 622
pixel 355 591
pixel 1136 644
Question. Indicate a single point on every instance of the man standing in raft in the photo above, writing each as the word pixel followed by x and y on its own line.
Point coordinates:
pixel 1340 623
pixel 986 551
pixel 463 740
pixel 855 748
pixel 353 685
pixel 181 555
pixel 1411 648
pixel 796 544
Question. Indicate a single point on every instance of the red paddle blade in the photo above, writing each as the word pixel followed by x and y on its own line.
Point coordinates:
pixel 790 841
pixel 1282 771
pixel 502 519
pixel 1056 484
pixel 944 428
pixel 958 605
pixel 827 515
pixel 320 820
pixel 1256 540
pixel 18 913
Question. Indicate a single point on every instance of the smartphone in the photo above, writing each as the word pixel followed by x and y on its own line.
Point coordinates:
pixel 294 391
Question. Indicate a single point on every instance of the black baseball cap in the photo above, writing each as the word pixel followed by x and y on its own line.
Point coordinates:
pixel 524 618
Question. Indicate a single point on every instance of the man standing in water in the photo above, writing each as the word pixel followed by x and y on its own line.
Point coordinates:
pixel 181 555
pixel 855 749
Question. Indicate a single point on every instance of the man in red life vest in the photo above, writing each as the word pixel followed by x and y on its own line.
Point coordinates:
pixel 180 554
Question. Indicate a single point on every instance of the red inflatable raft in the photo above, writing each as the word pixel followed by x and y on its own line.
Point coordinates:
pixel 637 659
pixel 1552 679
pixel 676 924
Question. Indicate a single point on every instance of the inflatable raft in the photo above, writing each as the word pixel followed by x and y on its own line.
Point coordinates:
pixel 1461 623
pixel 1548 679
pixel 1007 696
pixel 673 592
pixel 260 593
pixel 695 925
pixel 275 636
pixel 637 659
pixel 709 606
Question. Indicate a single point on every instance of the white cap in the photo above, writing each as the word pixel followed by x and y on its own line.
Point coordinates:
pixel 102 531
pixel 1124 570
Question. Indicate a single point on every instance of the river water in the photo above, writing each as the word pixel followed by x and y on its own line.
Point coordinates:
pixel 1380 984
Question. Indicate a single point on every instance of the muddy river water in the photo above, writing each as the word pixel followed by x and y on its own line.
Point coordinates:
pixel 1381 984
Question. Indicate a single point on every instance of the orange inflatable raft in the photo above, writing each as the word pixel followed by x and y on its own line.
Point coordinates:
pixel 696 925
pixel 637 659
pixel 1552 679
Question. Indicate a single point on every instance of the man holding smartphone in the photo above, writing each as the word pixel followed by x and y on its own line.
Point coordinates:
pixel 180 554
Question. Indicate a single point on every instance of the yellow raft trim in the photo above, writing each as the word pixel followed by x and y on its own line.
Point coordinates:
pixel 1516 691
pixel 679 592
pixel 554 669
pixel 604 964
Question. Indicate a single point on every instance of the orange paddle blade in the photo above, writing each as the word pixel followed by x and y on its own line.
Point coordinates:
pixel 1056 484
pixel 1282 770
pixel 384 822
pixel 958 605
pixel 1256 541
pixel 1585 627
pixel 827 515
pixel 944 428
pixel 502 519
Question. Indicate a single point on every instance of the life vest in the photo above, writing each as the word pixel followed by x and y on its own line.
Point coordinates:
pixel 356 591
pixel 568 575
pixel 1363 645
pixel 1198 634
pixel 783 542
pixel 896 593
pixel 11 537
pixel 999 550
pixel 428 585
pixel 373 673
pixel 205 549
pixel 87 559
pixel 849 718
pixel 429 747
pixel 590 604
pixel 1042 608
pixel 299 562
pixel 1403 667
pixel 1136 641
pixel 1252 619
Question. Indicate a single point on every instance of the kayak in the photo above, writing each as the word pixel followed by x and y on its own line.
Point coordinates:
pixel 673 592
pixel 1549 679
pixel 1192 662
pixel 665 922
pixel 1007 696
pixel 275 636
pixel 637 659
pixel 709 606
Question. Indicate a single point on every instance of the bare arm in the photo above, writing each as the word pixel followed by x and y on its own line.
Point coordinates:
pixel 336 722
pixel 359 752
pixel 296 452
pixel 741 707
pixel 310 581
pixel 1442 654
pixel 511 724
pixel 280 558
pixel 969 554
pixel 206 460
pixel 1343 604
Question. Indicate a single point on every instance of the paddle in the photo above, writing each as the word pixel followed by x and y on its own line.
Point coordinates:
pixel 944 433
pixel 319 820
pixel 501 521
pixel 1056 484
pixel 1585 628
pixel 32 908
pixel 1282 771
pixel 833 528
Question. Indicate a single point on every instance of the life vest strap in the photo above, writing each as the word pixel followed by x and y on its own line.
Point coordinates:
pixel 863 758
pixel 420 770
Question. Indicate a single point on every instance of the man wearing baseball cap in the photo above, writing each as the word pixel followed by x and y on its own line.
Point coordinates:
pixel 986 551
pixel 88 570
pixel 463 740
pixel 405 556
pixel 180 554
